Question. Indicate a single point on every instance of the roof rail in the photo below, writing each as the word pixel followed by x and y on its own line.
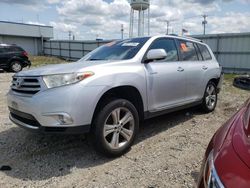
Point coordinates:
pixel 174 34
pixel 188 37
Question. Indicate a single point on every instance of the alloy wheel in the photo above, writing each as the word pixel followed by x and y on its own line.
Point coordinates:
pixel 211 97
pixel 16 67
pixel 119 128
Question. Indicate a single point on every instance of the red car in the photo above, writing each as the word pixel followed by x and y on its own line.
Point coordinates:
pixel 227 158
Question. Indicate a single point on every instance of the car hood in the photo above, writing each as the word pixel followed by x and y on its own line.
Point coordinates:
pixel 64 68
pixel 241 136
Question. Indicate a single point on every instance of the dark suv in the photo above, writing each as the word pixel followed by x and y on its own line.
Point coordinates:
pixel 13 58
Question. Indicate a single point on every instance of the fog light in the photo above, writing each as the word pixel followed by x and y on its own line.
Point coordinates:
pixel 62 118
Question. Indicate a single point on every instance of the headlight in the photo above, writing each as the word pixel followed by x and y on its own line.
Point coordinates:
pixel 210 176
pixel 65 79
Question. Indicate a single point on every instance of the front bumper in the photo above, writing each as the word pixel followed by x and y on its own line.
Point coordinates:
pixel 29 123
pixel 208 174
pixel 38 113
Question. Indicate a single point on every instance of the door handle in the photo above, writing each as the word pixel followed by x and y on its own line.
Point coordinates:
pixel 152 73
pixel 204 67
pixel 180 69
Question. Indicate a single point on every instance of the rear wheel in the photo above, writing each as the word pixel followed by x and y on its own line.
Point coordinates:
pixel 115 127
pixel 16 66
pixel 210 98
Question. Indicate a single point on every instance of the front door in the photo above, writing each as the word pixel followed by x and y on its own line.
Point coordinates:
pixel 166 79
pixel 3 57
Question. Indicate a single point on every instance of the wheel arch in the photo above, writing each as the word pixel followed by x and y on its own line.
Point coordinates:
pixel 15 58
pixel 127 92
pixel 215 81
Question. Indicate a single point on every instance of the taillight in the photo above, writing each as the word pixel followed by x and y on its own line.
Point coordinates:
pixel 25 53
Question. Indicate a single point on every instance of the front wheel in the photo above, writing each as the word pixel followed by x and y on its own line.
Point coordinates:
pixel 210 98
pixel 115 127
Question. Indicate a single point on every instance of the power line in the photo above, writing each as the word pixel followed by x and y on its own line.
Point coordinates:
pixel 204 22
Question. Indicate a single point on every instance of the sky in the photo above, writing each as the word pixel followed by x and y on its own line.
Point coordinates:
pixel 91 19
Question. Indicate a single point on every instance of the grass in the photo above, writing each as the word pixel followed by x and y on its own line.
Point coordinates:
pixel 230 76
pixel 228 84
pixel 37 61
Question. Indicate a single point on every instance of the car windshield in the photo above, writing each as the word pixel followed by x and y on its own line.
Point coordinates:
pixel 117 50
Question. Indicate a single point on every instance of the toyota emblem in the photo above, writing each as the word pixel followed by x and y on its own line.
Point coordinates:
pixel 18 82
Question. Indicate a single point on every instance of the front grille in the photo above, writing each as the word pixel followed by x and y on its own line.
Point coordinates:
pixel 26 85
pixel 24 117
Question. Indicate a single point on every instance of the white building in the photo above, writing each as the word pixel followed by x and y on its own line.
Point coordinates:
pixel 28 36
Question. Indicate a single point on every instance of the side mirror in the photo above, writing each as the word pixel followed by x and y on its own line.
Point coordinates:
pixel 156 54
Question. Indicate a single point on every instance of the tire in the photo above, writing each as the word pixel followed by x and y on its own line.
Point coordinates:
pixel 209 100
pixel 242 82
pixel 111 136
pixel 16 66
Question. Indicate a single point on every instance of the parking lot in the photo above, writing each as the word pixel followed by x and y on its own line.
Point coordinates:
pixel 167 153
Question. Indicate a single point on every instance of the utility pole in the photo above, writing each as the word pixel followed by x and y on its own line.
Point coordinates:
pixel 168 22
pixel 38 18
pixel 204 22
pixel 122 31
pixel 70 32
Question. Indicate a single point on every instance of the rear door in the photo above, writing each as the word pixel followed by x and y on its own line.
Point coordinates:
pixel 16 51
pixel 195 69
pixel 209 66
pixel 166 79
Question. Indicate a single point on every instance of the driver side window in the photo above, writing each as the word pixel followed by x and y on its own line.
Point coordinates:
pixel 169 46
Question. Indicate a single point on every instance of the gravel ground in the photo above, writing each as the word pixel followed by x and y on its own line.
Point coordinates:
pixel 167 153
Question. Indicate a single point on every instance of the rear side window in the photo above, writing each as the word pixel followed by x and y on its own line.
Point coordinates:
pixel 16 49
pixel 188 51
pixel 169 46
pixel 198 52
pixel 204 52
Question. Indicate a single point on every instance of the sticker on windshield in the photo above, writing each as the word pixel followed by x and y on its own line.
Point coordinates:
pixel 184 47
pixel 110 44
pixel 132 44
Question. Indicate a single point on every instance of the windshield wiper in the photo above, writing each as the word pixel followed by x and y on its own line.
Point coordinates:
pixel 94 59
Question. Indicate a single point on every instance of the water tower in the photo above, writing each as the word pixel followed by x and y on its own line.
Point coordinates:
pixel 141 6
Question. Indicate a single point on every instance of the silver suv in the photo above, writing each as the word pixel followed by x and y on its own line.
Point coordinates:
pixel 110 90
